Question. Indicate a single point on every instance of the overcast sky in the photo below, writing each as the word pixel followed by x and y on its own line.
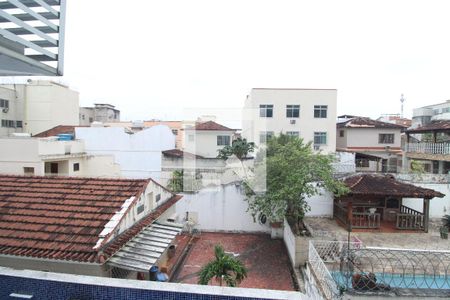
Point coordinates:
pixel 175 59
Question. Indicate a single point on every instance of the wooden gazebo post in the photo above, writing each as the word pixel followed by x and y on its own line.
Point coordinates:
pixel 426 212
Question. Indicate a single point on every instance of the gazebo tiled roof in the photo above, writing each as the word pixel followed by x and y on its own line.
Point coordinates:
pixel 386 185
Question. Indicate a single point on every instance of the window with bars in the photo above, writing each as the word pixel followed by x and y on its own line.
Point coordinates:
pixel 223 140
pixel 266 110
pixel 293 133
pixel 386 138
pixel 320 138
pixel 4 103
pixel 264 136
pixel 292 111
pixel 320 111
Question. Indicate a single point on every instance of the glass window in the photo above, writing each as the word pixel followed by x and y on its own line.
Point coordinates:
pixel 175 131
pixel 266 110
pixel 264 136
pixel 341 133
pixel 28 170
pixel 320 138
pixel 292 111
pixel 19 124
pixel 4 123
pixel 320 111
pixel 76 167
pixel 223 140
pixel 293 133
pixel 158 197
pixel 386 138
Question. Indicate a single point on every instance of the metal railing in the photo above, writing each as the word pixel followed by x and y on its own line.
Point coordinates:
pixel 369 270
pixel 35 29
pixel 428 148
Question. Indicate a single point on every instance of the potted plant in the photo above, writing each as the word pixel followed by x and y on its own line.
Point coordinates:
pixel 445 226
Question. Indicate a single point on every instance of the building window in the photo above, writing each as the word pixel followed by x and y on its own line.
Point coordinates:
pixel 175 131
pixel 140 208
pixel 223 140
pixel 320 138
pixel 28 171
pixel 264 136
pixel 76 167
pixel 54 168
pixel 4 103
pixel 292 111
pixel 19 124
pixel 320 111
pixel 341 133
pixel 266 110
pixel 293 133
pixel 191 138
pixel 158 197
pixel 386 138
pixel 362 163
pixel 91 120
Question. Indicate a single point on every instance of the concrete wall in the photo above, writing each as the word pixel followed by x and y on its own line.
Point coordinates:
pixel 438 206
pixel 321 205
pixel 297 246
pixel 204 142
pixel 15 111
pixel 221 208
pixel 306 124
pixel 139 154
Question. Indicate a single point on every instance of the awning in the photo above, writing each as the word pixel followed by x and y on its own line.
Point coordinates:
pixel 144 250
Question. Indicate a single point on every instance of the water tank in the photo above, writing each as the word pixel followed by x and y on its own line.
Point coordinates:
pixel 65 137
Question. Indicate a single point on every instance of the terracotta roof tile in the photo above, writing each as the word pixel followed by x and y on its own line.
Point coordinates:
pixel 386 185
pixel 441 125
pixel 211 125
pixel 362 122
pixel 60 129
pixel 59 217
pixel 180 154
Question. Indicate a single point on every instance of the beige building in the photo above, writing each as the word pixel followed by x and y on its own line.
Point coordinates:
pixel 307 113
pixel 207 138
pixel 99 113
pixel 36 106
pixel 53 157
pixel 377 144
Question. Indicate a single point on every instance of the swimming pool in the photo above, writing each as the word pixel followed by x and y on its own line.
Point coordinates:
pixel 410 281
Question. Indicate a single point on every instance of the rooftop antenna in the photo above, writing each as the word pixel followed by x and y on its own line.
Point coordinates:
pixel 402 99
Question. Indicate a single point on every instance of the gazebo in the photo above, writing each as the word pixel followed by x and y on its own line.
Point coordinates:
pixel 376 202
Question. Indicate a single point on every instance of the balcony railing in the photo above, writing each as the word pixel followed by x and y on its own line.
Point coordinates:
pixel 428 148
pixel 409 218
pixel 32 37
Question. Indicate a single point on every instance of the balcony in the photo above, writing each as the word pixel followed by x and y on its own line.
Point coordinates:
pixel 32 37
pixel 434 151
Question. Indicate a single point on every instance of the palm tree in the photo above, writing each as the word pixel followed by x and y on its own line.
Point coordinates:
pixel 223 268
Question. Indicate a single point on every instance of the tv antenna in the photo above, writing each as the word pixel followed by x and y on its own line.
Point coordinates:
pixel 402 99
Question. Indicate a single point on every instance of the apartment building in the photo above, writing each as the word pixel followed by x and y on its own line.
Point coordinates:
pixel 36 106
pixel 101 112
pixel 306 113
pixel 426 114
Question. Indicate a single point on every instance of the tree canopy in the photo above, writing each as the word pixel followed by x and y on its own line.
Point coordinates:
pixel 239 147
pixel 294 172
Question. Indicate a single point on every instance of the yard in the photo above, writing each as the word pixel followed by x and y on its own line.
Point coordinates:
pixel 266 260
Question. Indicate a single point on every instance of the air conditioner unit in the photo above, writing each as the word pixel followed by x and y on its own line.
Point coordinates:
pixel 5 110
pixel 292 121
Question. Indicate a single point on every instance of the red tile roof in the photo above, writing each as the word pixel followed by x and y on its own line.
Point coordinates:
pixel 211 125
pixel 362 122
pixel 386 185
pixel 441 125
pixel 180 154
pixel 59 217
pixel 60 129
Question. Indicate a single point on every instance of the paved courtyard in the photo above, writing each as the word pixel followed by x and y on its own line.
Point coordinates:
pixel 329 229
pixel 266 260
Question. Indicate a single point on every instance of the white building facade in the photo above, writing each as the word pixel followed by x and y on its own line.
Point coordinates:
pixel 426 114
pixel 138 154
pixel 53 157
pixel 35 106
pixel 307 113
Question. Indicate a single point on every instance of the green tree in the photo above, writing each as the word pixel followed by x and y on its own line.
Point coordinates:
pixel 294 172
pixel 239 147
pixel 175 183
pixel 223 268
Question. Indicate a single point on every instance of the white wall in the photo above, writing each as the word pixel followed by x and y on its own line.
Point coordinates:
pixel 368 138
pixel 205 142
pixel 321 205
pixel 139 155
pixel 306 124
pixel 438 206
pixel 221 208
